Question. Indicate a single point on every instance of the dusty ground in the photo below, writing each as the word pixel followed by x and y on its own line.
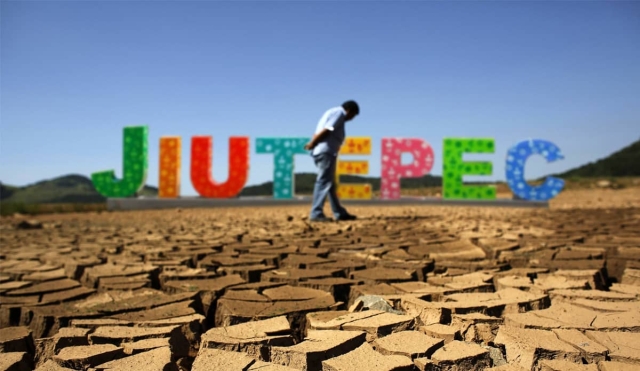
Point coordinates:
pixel 261 289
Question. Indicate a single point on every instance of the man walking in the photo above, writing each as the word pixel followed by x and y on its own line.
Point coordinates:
pixel 324 147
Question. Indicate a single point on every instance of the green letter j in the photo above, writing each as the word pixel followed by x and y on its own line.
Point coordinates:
pixel 135 161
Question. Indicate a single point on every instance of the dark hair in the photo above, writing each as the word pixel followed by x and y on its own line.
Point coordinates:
pixel 351 106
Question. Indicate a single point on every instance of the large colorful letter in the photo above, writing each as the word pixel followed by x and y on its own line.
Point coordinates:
pixel 516 158
pixel 170 156
pixel 354 146
pixel 392 168
pixel 283 149
pixel 454 168
pixel 201 162
pixel 135 163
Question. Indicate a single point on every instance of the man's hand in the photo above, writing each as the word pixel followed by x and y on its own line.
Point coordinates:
pixel 309 146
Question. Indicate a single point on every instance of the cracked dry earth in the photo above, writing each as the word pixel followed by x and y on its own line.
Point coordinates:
pixel 260 289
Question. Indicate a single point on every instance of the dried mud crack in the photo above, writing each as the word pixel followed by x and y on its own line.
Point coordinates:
pixel 402 288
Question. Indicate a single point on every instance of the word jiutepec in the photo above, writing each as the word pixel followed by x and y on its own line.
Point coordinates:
pixel 283 149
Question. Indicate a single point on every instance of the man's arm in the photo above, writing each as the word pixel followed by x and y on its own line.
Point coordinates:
pixel 329 126
pixel 316 139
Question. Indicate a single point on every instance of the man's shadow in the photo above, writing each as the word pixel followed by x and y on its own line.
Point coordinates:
pixel 392 218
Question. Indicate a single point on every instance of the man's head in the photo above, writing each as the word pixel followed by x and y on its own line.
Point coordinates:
pixel 352 109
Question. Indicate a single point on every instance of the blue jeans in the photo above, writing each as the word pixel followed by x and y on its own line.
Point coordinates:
pixel 326 186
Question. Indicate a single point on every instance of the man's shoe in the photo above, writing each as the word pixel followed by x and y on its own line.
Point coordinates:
pixel 319 219
pixel 347 217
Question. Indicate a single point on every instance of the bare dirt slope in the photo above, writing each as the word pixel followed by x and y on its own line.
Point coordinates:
pixel 262 289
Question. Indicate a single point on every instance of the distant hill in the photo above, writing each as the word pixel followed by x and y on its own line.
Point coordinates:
pixel 304 183
pixel 623 163
pixel 65 189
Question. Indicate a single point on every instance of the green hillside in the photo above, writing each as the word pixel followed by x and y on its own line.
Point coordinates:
pixel 65 189
pixel 623 163
pixel 78 189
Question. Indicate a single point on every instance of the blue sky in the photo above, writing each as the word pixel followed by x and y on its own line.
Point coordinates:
pixel 74 73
